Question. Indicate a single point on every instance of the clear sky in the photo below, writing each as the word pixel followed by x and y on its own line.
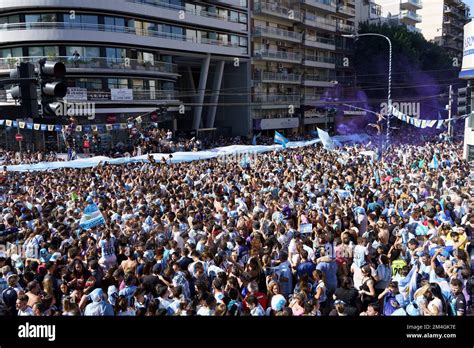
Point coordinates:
pixel 470 3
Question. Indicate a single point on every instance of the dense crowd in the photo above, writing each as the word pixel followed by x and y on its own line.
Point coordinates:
pixel 296 232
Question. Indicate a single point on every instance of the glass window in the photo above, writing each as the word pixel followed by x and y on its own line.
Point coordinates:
pixel 89 19
pixel 190 8
pixel 3 20
pixel 91 52
pixel 222 13
pixel 177 30
pixel 94 84
pixel 212 35
pixel 14 19
pixel 243 41
pixel 138 25
pixel 138 84
pixel 32 18
pixel 5 53
pixel 234 16
pixel 109 22
pixel 49 17
pixel 148 57
pixel 223 37
pixel 119 22
pixel 234 40
pixel 35 51
pixel 191 35
pixel 242 18
pixel 51 51
pixel 17 52
pixel 176 2
pixel 168 86
pixel 71 49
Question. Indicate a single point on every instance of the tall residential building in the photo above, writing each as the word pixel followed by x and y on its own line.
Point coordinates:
pixel 162 52
pixel 443 22
pixel 368 11
pixel 297 58
pixel 404 12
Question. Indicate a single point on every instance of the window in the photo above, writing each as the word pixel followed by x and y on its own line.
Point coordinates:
pixel 49 17
pixel 243 42
pixel 191 35
pixel 91 52
pixel 71 49
pixel 177 30
pixel 223 37
pixel 117 83
pixel 89 19
pixel 51 51
pixel 90 84
pixel 234 40
pixel 222 13
pixel 138 84
pixel 32 18
pixel 35 52
pixel 243 18
pixel 109 22
pixel 234 16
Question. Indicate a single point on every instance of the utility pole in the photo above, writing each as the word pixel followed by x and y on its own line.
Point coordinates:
pixel 450 110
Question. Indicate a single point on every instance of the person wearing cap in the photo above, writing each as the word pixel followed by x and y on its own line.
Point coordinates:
pixel 98 306
pixel 10 295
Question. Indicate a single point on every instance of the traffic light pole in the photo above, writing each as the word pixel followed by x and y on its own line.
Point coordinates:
pixel 449 110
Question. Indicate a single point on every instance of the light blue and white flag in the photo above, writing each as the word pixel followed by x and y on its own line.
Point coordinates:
pixel 434 164
pixel 280 139
pixel 440 124
pixel 91 217
pixel 376 176
pixel 326 139
pixel 343 194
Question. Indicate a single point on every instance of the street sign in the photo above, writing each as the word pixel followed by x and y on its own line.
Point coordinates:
pixel 19 137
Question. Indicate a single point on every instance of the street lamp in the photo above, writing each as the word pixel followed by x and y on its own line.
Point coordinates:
pixel 389 94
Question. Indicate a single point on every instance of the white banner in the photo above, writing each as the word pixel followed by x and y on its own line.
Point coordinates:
pixel 121 94
pixel 76 93
pixel 467 71
pixel 279 123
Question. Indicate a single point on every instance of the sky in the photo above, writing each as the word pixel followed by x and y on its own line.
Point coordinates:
pixel 470 3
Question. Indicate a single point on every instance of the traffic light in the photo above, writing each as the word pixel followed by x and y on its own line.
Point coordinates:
pixel 464 100
pixel 25 92
pixel 52 86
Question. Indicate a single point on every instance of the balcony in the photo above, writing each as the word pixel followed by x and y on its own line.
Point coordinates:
pixel 314 118
pixel 275 101
pixel 409 17
pixel 279 56
pixel 277 11
pixel 322 43
pixel 274 77
pixel 328 6
pixel 312 99
pixel 345 28
pixel 320 22
pixel 319 62
pixel 229 22
pixel 346 11
pixel 412 5
pixel 101 65
pixel 318 81
pixel 71 32
pixel 277 33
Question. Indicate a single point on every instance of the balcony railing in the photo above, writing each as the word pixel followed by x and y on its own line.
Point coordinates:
pixel 318 78
pixel 411 15
pixel 273 76
pixel 138 95
pixel 313 58
pixel 278 32
pixel 319 20
pixel 322 40
pixel 113 28
pixel 194 11
pixel 277 10
pixel 278 55
pixel 345 28
pixel 317 3
pixel 346 10
pixel 276 98
pixel 96 62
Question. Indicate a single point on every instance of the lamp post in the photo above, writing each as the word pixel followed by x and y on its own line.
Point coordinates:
pixel 389 92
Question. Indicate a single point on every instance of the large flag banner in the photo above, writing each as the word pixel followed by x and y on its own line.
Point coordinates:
pixel 280 139
pixel 91 217
pixel 326 139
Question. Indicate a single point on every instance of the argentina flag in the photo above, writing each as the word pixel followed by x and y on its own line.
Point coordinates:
pixel 280 139
pixel 91 217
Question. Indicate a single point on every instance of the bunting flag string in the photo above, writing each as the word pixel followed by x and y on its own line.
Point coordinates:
pixel 424 123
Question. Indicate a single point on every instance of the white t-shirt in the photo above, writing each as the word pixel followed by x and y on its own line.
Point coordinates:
pixel 438 303
pixel 360 252
pixel 27 312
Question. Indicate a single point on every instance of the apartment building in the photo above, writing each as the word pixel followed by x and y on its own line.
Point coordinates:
pixel 443 23
pixel 297 58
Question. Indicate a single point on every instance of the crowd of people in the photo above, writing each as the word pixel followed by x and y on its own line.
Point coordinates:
pixel 297 232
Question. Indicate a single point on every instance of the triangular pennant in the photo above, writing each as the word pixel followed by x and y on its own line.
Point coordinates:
pixel 15 124
pixel 57 128
pixel 423 123
pixel 417 123
pixel 29 125
pixel 123 126
pixel 8 123
pixel 43 127
pixel 139 119
pixel 440 124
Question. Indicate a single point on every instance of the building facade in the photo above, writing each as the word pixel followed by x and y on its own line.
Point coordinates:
pixel 297 60
pixel 443 22
pixel 191 57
